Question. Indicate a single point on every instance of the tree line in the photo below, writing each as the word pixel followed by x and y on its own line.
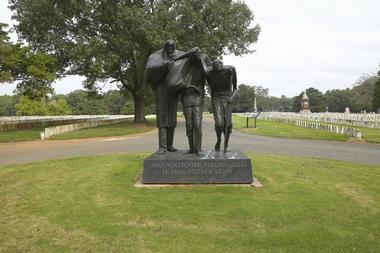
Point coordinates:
pixel 363 96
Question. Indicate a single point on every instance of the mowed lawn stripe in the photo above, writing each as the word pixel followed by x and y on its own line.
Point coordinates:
pixel 91 204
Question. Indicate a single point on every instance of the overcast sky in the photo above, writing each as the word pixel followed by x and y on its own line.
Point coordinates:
pixel 326 44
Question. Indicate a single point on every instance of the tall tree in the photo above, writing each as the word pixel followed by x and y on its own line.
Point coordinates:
pixel 363 93
pixel 110 40
pixel 376 94
pixel 338 100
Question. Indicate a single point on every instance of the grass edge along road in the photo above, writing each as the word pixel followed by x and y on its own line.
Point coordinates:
pixel 274 129
pixel 117 129
pixel 89 204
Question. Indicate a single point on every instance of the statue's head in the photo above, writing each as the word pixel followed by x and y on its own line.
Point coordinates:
pixel 217 63
pixel 169 48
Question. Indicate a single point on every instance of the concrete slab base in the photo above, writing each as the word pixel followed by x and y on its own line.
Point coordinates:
pixel 256 184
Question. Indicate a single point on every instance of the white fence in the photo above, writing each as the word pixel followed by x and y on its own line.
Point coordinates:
pixel 350 131
pixel 28 122
pixel 362 120
pixel 321 121
pixel 50 131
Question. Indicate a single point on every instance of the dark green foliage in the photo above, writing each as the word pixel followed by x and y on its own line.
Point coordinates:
pixel 296 104
pixel 7 105
pixel 317 101
pixel 245 98
pixel 30 107
pixel 376 95
pixel 363 93
pixel 83 104
pixel 58 107
pixel 111 40
pixel 286 104
pixel 128 108
pixel 338 100
pixel 32 69
pixel 115 101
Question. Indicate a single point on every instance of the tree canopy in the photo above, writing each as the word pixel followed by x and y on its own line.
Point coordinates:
pixel 376 94
pixel 110 40
pixel 31 69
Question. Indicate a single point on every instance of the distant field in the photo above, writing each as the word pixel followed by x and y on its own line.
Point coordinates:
pixel 124 128
pixel 271 128
pixel 89 204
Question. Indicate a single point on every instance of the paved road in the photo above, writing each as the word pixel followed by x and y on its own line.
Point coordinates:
pixel 22 152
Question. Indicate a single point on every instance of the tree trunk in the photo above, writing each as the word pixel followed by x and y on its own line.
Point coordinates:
pixel 139 109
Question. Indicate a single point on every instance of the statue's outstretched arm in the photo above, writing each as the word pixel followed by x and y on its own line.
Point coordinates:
pixel 188 53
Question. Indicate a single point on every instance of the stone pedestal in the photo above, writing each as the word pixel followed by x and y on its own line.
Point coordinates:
pixel 213 167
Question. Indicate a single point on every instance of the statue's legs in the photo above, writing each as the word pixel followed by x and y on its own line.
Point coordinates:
pixel 162 140
pixel 170 138
pixel 218 112
pixel 227 137
pixel 187 111
pixel 197 129
pixel 228 126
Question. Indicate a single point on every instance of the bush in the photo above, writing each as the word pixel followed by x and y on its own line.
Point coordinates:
pixel 29 107
pixel 58 107
pixel 128 109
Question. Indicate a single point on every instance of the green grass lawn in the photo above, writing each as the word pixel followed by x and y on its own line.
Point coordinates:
pixel 21 135
pixel 124 128
pixel 271 128
pixel 90 205
pixel 369 134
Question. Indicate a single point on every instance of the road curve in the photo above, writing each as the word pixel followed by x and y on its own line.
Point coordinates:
pixel 22 152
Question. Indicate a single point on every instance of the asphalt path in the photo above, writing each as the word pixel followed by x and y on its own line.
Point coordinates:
pixel 23 152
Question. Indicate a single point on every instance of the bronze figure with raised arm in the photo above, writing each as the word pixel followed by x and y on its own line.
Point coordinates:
pixel 223 85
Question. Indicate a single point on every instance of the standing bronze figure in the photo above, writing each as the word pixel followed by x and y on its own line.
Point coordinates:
pixel 192 101
pixel 171 72
pixel 223 86
pixel 157 75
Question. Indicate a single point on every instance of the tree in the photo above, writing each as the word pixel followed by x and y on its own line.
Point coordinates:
pixel 114 101
pixel 317 100
pixel 82 104
pixel 296 103
pixel 376 94
pixel 29 107
pixel 285 104
pixel 5 49
pixel 363 93
pixel 33 70
pixel 58 107
pixel 111 40
pixel 7 105
pixel 338 100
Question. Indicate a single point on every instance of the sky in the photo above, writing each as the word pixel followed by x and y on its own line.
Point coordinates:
pixel 325 44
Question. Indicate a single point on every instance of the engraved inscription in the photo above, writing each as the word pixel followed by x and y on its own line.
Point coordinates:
pixel 194 165
pixel 196 171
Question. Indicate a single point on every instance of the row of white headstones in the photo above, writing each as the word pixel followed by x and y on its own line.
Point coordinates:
pixel 340 123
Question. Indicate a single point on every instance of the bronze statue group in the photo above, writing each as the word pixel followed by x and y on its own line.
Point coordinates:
pixel 172 74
